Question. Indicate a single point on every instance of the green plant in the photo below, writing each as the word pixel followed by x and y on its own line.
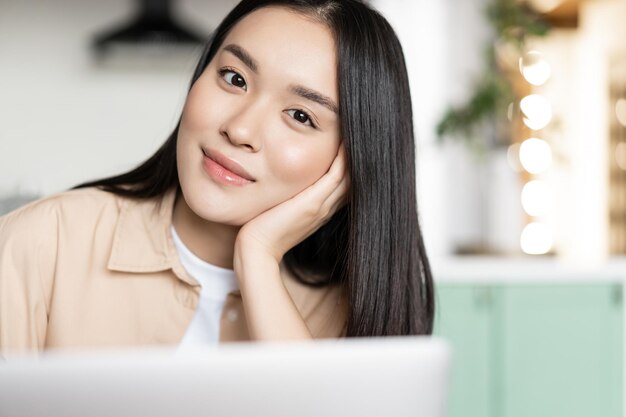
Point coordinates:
pixel 513 23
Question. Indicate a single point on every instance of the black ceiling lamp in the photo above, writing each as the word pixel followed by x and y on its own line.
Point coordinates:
pixel 152 28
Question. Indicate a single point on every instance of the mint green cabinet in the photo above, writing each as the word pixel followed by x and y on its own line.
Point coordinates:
pixel 561 350
pixel 463 315
pixel 533 350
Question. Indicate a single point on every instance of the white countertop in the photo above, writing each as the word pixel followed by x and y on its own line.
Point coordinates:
pixel 525 269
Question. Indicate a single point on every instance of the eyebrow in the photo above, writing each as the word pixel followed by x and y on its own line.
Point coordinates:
pixel 299 90
pixel 243 56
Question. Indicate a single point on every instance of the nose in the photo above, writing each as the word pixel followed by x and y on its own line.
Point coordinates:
pixel 243 127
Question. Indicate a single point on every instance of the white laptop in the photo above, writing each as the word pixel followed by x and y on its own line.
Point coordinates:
pixel 397 376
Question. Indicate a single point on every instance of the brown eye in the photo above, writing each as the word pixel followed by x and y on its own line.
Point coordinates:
pixel 235 79
pixel 302 117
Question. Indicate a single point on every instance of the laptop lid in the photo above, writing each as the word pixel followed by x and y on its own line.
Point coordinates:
pixel 398 376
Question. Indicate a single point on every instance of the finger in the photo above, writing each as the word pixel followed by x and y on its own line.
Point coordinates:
pixel 337 170
pixel 338 197
pixel 340 162
pixel 337 173
pixel 331 203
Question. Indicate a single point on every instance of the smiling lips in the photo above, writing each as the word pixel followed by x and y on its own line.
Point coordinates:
pixel 224 169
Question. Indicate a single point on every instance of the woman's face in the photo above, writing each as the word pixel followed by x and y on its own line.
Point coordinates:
pixel 262 114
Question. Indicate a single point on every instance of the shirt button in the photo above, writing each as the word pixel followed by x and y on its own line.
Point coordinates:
pixel 232 315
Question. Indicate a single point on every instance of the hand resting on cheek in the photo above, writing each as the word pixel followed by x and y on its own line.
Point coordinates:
pixel 277 230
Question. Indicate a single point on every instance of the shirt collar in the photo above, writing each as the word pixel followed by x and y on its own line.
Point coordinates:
pixel 143 240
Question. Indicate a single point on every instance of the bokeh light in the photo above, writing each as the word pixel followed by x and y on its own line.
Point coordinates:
pixel 545 6
pixel 536 198
pixel 534 68
pixel 535 155
pixel 536 110
pixel 512 157
pixel 536 238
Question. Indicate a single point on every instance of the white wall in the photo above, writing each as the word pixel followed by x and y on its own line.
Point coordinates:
pixel 421 27
pixel 64 118
pixel 443 42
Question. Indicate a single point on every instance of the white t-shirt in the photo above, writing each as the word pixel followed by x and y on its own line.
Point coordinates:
pixel 216 283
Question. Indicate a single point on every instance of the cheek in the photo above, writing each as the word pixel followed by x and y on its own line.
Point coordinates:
pixel 297 167
pixel 200 108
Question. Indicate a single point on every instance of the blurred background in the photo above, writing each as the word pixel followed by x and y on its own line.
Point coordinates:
pixel 92 88
pixel 520 115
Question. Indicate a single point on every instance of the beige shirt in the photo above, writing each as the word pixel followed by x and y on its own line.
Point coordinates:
pixel 87 268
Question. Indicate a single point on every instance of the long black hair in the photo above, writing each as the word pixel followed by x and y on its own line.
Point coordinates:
pixel 372 246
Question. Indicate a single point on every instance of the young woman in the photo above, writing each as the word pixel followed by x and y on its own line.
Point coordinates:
pixel 282 206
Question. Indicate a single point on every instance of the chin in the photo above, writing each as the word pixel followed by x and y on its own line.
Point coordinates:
pixel 216 210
